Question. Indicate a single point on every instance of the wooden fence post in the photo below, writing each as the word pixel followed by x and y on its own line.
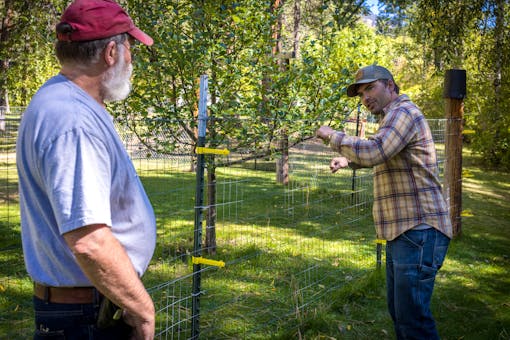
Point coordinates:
pixel 454 93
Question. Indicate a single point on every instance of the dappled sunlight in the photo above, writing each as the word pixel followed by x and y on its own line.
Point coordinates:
pixel 482 189
pixel 456 269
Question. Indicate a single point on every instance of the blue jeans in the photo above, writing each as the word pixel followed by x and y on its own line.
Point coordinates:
pixel 58 321
pixel 412 262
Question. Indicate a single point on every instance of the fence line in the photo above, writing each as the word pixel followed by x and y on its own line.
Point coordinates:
pixel 286 247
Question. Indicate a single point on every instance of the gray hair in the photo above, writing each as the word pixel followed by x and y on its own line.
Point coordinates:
pixel 83 53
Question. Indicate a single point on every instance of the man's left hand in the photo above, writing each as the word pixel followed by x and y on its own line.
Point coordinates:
pixel 338 163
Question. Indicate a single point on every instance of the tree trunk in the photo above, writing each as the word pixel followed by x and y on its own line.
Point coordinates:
pixel 210 229
pixel 499 36
pixel 282 164
pixel 297 24
pixel 4 64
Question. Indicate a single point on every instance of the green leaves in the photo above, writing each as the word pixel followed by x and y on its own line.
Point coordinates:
pixel 293 86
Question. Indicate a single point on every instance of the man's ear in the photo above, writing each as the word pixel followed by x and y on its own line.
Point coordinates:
pixel 110 53
pixel 391 85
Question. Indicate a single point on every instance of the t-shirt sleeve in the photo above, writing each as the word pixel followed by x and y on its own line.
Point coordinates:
pixel 76 170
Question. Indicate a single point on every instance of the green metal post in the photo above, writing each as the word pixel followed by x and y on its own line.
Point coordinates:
pixel 199 199
pixel 353 180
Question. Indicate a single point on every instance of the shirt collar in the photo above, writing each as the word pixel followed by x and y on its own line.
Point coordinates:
pixel 395 103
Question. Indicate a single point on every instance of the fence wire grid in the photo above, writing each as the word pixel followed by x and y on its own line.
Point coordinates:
pixel 285 247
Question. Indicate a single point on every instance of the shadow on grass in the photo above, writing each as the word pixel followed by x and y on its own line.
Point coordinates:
pixel 254 294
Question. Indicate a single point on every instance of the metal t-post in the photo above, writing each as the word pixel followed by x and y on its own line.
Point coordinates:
pixel 199 199
pixel 353 179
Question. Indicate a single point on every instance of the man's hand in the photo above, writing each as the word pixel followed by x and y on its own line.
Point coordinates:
pixel 324 133
pixel 142 329
pixel 338 163
pixel 105 262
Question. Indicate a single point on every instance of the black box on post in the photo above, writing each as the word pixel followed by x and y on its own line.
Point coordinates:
pixel 455 84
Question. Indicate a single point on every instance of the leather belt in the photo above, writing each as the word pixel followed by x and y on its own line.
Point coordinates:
pixel 80 295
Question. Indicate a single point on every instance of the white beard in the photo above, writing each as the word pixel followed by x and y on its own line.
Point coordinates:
pixel 116 83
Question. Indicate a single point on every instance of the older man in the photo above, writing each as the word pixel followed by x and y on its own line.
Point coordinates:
pixel 88 228
pixel 409 209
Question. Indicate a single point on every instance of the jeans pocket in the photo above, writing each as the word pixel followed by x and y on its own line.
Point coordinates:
pixel 415 238
pixel 426 273
pixel 426 279
pixel 42 333
pixel 439 256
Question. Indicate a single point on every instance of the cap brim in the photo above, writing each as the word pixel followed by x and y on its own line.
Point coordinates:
pixel 141 36
pixel 352 90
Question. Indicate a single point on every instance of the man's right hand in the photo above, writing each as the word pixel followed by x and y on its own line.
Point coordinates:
pixel 143 329
pixel 324 133
pixel 105 262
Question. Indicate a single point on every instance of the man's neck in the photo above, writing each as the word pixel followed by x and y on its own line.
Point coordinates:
pixel 89 82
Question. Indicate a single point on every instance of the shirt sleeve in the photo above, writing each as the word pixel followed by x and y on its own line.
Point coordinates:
pixel 77 172
pixel 396 130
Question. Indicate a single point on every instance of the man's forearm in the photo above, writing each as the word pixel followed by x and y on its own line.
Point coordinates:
pixel 107 265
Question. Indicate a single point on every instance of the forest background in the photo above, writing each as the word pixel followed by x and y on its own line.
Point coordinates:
pixel 285 61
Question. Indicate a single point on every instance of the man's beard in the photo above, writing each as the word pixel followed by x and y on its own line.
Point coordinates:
pixel 116 83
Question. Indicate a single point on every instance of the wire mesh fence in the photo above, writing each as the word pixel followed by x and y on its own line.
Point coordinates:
pixel 14 284
pixel 285 247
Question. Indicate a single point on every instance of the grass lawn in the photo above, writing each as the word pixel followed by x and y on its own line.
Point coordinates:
pixel 472 293
pixel 471 299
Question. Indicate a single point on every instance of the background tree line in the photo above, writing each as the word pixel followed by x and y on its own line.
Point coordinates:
pixel 281 66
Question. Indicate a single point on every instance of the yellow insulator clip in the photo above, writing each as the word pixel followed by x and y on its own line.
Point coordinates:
pixel 202 150
pixel 379 241
pixel 201 260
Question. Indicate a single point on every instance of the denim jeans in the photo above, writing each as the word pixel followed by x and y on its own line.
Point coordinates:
pixel 412 262
pixel 58 321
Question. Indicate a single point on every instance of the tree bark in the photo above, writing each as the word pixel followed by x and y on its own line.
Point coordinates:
pixel 210 229
pixel 499 36
pixel 297 25
pixel 4 64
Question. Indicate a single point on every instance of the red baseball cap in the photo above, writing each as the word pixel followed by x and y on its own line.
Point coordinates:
pixel 99 19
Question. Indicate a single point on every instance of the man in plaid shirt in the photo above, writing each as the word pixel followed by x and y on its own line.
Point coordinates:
pixel 409 210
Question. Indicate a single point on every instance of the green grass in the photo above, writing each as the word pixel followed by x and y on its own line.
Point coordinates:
pixel 471 298
pixel 305 273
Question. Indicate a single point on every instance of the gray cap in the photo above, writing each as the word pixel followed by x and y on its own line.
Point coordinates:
pixel 366 75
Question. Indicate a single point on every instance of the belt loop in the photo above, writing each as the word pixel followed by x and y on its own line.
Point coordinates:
pixel 46 294
pixel 96 297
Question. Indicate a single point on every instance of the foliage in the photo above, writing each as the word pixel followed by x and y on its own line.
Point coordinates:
pixel 233 43
pixel 489 66
pixel 225 40
pixel 320 45
pixel 393 16
pixel 474 36
pixel 26 47
pixel 440 27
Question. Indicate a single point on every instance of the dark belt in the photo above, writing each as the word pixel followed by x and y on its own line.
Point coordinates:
pixel 81 295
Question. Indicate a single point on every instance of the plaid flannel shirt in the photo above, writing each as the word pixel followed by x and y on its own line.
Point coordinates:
pixel 407 191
